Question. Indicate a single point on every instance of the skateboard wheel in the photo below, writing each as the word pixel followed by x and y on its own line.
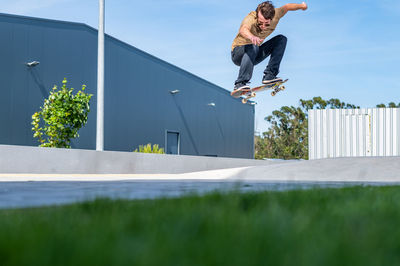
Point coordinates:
pixel 253 94
pixel 244 100
pixel 273 93
pixel 282 88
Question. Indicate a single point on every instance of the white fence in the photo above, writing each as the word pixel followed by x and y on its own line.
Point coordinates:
pixel 353 132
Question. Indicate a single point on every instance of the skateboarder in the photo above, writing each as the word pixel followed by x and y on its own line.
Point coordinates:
pixel 249 50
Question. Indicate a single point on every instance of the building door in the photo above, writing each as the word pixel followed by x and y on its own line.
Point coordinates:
pixel 172 142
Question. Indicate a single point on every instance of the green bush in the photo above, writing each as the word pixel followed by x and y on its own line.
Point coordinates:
pixel 63 115
pixel 148 149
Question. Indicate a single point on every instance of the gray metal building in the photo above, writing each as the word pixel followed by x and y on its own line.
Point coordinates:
pixel 201 119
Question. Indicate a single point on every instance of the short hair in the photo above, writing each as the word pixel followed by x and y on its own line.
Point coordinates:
pixel 267 10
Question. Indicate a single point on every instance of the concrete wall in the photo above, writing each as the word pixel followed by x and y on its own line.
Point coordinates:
pixel 139 107
pixel 35 160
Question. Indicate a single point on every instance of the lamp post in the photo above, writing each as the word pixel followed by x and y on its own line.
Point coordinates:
pixel 100 81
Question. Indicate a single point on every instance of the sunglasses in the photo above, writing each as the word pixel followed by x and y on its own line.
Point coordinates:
pixel 263 24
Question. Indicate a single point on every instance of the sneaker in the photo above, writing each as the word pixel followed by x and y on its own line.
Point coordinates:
pixel 239 88
pixel 270 79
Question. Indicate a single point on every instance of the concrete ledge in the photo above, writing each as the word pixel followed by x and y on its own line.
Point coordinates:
pixel 338 170
pixel 36 160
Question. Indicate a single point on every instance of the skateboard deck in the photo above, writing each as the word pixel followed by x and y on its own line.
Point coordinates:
pixel 275 87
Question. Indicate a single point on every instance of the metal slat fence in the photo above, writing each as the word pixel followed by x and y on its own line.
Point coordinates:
pixel 353 132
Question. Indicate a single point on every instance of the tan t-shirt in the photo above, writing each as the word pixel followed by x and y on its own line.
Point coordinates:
pixel 251 21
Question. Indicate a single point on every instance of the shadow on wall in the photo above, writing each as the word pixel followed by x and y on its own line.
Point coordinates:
pixel 39 82
pixel 220 128
pixel 186 125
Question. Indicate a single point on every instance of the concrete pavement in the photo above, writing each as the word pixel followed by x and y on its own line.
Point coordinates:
pixel 28 190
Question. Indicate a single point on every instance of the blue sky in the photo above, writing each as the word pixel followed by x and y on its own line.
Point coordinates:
pixel 336 49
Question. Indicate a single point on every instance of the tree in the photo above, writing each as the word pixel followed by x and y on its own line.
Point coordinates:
pixel 287 137
pixel 63 115
pixel 390 105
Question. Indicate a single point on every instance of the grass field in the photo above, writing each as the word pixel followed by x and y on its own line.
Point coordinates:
pixel 348 226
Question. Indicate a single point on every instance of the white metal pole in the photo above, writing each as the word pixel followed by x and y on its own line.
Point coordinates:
pixel 100 81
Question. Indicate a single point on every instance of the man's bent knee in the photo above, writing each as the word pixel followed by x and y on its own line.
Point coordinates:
pixel 281 38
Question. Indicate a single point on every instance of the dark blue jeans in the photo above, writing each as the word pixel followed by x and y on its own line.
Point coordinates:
pixel 247 56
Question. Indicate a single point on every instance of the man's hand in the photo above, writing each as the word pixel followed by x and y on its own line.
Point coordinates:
pixel 293 7
pixel 256 41
pixel 245 32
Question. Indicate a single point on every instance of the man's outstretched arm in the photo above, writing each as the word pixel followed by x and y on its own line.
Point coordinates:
pixel 294 7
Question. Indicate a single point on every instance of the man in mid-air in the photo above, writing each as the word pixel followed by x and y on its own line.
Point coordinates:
pixel 249 49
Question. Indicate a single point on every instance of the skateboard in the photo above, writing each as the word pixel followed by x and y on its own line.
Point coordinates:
pixel 275 87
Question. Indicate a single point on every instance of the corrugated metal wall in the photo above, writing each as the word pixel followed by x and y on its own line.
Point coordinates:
pixel 353 132
pixel 139 106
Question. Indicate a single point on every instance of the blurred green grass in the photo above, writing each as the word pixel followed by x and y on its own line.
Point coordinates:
pixel 348 226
